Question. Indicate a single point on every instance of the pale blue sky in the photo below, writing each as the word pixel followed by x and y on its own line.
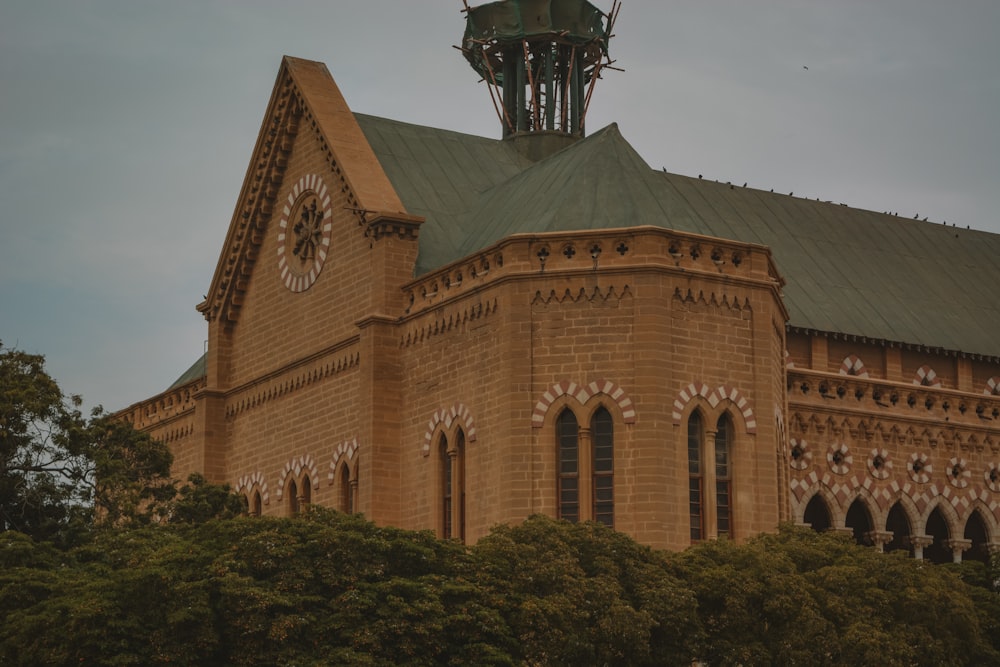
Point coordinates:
pixel 126 128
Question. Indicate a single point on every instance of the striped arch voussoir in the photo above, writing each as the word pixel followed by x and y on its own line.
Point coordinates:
pixel 295 467
pixel 714 397
pixel 852 365
pixel 583 393
pixel 246 483
pixel 447 416
pixel 344 450
pixel 926 376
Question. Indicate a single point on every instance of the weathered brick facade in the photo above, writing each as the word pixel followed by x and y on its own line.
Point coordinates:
pixel 434 402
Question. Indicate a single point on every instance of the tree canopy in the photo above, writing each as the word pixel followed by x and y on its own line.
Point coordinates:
pixel 104 561
pixel 59 470
pixel 331 588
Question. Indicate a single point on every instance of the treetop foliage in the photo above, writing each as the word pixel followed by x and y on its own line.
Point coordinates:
pixel 330 588
pixel 104 561
pixel 61 471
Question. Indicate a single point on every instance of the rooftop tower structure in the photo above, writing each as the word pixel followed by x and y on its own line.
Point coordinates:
pixel 540 60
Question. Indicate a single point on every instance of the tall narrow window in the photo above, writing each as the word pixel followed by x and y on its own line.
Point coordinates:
pixel 306 494
pixel 696 502
pixel 446 489
pixel 255 503
pixel 293 498
pixel 346 497
pixel 568 492
pixel 453 487
pixel 723 476
pixel 354 501
pixel 602 434
pixel 458 482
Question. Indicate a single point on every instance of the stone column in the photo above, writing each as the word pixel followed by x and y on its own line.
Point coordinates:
pixel 880 538
pixel 958 547
pixel 920 542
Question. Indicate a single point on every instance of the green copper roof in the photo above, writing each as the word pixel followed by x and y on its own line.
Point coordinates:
pixel 197 370
pixel 848 270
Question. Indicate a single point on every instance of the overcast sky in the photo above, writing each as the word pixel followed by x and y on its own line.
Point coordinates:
pixel 126 128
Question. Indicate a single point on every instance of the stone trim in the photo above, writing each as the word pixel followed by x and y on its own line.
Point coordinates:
pixel 345 450
pixel 714 397
pixel 884 470
pixel 275 388
pixel 442 324
pixel 246 484
pixel 294 467
pixel 583 394
pixel 839 458
pixel 926 377
pixel 447 416
pixel 852 365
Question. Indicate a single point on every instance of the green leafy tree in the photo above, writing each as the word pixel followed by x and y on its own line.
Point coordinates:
pixel 58 469
pixel 577 594
pixel 798 597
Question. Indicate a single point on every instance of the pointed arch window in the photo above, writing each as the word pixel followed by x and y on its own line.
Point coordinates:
pixel 256 503
pixel 710 476
pixel 602 436
pixel 293 498
pixel 723 476
pixel 696 500
pixel 585 467
pixel 299 495
pixel 346 495
pixel 452 475
pixel 568 491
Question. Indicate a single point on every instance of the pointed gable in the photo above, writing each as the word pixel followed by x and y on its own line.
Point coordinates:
pixel 305 98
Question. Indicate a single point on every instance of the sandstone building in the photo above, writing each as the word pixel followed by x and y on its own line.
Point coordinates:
pixel 447 331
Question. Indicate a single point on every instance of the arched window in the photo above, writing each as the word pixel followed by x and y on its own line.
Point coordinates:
pixel 256 503
pixel 585 485
pixel 937 528
pixel 446 488
pixel 452 464
pixel 568 491
pixel 293 498
pixel 355 500
pixel 723 476
pixel 975 530
pixel 859 520
pixel 305 497
pixel 696 499
pixel 458 482
pixel 899 525
pixel 817 514
pixel 346 497
pixel 602 435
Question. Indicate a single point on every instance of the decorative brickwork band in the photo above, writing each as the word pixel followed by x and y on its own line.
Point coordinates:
pixel 295 467
pixel 447 416
pixel 714 397
pixel 852 365
pixel 927 377
pixel 583 394
pixel 246 484
pixel 345 450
